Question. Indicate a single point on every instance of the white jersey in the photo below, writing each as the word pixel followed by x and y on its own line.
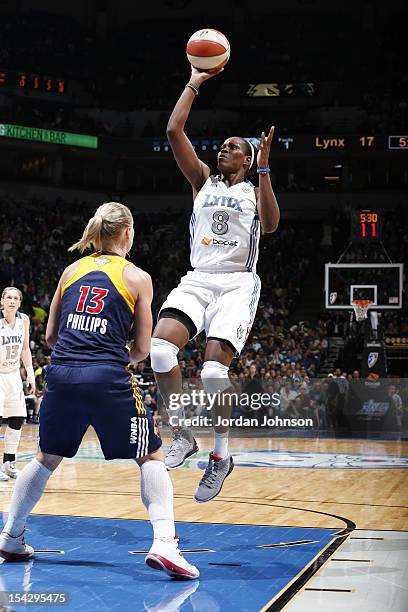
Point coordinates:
pixel 11 343
pixel 224 228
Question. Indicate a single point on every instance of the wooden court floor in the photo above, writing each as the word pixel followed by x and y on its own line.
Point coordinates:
pixel 375 499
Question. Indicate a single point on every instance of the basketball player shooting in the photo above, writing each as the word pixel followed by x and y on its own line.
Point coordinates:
pixel 221 293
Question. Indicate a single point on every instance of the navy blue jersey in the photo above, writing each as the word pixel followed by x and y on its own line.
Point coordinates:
pixel 97 313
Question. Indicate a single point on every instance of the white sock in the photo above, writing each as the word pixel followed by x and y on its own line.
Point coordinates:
pixel 11 440
pixel 221 444
pixel 156 491
pixel 28 489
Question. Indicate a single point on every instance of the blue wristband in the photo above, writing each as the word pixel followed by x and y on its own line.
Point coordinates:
pixel 263 170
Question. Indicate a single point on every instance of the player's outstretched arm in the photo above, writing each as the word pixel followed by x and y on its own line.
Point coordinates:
pixel 195 171
pixel 139 284
pixel 267 205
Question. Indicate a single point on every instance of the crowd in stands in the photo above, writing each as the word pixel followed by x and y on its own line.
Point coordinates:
pixel 285 354
pixel 32 257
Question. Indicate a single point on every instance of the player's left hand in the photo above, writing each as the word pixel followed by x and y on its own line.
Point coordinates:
pixel 264 149
pixel 32 387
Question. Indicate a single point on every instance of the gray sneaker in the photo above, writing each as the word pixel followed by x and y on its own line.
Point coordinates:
pixel 182 446
pixel 216 472
pixel 9 468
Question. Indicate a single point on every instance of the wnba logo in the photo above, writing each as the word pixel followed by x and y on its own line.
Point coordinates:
pixel 372 359
pixel 133 430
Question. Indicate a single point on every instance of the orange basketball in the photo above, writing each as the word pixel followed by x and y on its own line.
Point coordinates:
pixel 208 50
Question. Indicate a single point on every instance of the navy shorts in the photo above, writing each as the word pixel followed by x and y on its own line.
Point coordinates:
pixel 103 396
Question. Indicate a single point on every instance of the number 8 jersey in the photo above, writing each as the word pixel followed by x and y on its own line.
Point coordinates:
pixel 224 227
pixel 97 313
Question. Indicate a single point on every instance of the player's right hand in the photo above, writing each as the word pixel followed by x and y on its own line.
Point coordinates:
pixel 199 76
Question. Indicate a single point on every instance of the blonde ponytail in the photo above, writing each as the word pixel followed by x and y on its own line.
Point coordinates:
pixel 104 227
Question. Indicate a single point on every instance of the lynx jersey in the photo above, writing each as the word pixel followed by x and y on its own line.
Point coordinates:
pixel 224 227
pixel 11 343
pixel 97 313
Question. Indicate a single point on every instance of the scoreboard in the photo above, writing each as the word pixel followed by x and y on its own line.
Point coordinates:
pixel 316 144
pixel 321 143
pixel 34 82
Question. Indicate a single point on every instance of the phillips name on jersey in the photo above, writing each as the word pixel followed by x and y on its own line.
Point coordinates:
pixel 97 313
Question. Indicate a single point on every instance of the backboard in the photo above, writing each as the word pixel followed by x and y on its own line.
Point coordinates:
pixel 380 283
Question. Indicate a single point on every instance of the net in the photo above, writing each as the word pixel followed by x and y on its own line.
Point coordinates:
pixel 361 308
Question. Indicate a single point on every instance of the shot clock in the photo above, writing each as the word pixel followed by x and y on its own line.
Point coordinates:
pixel 365 226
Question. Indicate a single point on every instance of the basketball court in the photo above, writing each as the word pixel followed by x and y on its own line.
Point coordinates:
pixel 306 523
pixel 308 519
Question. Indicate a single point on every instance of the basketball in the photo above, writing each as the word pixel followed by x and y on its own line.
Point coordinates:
pixel 208 50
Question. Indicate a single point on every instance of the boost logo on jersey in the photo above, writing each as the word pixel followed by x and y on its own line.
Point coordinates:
pixel 217 242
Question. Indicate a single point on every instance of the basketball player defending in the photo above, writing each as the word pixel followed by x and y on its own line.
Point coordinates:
pixel 99 301
pixel 221 294
pixel 14 348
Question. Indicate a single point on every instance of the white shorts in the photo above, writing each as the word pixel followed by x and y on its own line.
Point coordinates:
pixel 224 305
pixel 12 400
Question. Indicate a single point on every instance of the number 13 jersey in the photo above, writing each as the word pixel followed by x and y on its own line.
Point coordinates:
pixel 224 227
pixel 97 313
pixel 11 343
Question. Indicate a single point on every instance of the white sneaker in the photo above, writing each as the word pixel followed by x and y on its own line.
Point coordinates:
pixel 3 476
pixel 165 556
pixel 182 446
pixel 14 549
pixel 9 468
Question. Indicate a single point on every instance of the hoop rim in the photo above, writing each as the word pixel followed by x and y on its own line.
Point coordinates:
pixel 362 303
pixel 360 308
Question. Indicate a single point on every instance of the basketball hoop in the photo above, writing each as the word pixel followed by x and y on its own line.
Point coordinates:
pixel 361 308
